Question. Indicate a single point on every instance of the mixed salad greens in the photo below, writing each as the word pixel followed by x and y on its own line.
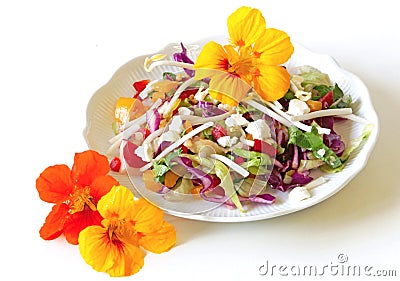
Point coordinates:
pixel 178 138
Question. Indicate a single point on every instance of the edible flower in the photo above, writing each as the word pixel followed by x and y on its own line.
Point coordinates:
pixel 75 193
pixel 252 59
pixel 113 246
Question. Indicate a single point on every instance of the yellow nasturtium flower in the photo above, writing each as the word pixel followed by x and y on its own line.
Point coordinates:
pixel 253 59
pixel 127 224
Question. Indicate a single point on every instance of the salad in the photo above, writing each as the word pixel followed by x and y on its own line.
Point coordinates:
pixel 181 140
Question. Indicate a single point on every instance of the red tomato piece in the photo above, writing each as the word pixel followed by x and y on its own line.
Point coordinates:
pixel 239 160
pixel 140 86
pixel 146 132
pixel 216 181
pixel 218 131
pixel 187 93
pixel 264 147
pixel 184 149
pixel 327 100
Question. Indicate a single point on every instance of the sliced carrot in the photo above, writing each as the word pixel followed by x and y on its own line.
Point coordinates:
pixel 314 105
pixel 196 191
pixel 170 179
pixel 148 179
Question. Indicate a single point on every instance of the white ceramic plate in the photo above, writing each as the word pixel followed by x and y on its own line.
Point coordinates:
pixel 100 115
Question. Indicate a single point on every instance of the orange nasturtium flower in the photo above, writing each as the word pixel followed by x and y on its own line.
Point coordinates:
pixel 113 247
pixel 75 194
pixel 252 59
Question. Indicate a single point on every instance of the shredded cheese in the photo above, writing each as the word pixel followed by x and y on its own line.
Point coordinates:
pixel 231 164
pixel 178 143
pixel 322 113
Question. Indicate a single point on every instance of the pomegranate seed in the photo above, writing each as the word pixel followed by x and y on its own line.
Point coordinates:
pixel 115 164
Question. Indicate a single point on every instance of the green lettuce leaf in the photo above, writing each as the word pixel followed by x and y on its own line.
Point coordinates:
pixel 354 143
pixel 256 162
pixel 311 77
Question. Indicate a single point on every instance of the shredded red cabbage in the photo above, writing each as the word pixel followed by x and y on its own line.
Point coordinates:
pixel 210 109
pixel 288 161
pixel 183 57
pixel 218 194
pixel 206 180
pixel 153 119
pixel 163 145
pixel 333 140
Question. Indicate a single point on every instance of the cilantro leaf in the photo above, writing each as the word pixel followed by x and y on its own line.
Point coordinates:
pixel 314 142
pixel 162 166
pixel 337 93
pixel 320 91
pixel 160 169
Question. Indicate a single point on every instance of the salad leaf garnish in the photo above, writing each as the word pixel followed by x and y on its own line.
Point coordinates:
pixel 354 144
pixel 311 77
pixel 320 91
pixel 222 172
pixel 169 76
pixel 314 142
pixel 172 155
pixel 255 163
pixel 161 167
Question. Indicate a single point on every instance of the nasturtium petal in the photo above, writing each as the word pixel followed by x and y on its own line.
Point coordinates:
pixel 148 218
pixel 54 224
pixel 130 261
pixel 223 98
pixel 228 88
pixel 94 246
pixel 79 221
pixel 231 53
pixel 271 82
pixel 109 255
pixel 212 56
pixel 240 64
pixel 274 47
pixel 245 26
pixel 161 240
pixel 54 184
pixel 87 166
pixel 101 186
pixel 119 202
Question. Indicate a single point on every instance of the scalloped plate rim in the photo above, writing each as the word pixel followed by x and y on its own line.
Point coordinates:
pixel 368 145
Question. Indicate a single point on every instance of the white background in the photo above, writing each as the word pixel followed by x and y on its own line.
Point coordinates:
pixel 55 54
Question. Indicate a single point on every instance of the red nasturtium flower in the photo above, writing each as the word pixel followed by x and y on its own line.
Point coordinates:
pixel 75 193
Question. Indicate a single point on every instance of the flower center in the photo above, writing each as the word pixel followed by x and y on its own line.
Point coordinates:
pixel 81 198
pixel 113 225
pixel 241 68
pixel 243 64
pixel 240 43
